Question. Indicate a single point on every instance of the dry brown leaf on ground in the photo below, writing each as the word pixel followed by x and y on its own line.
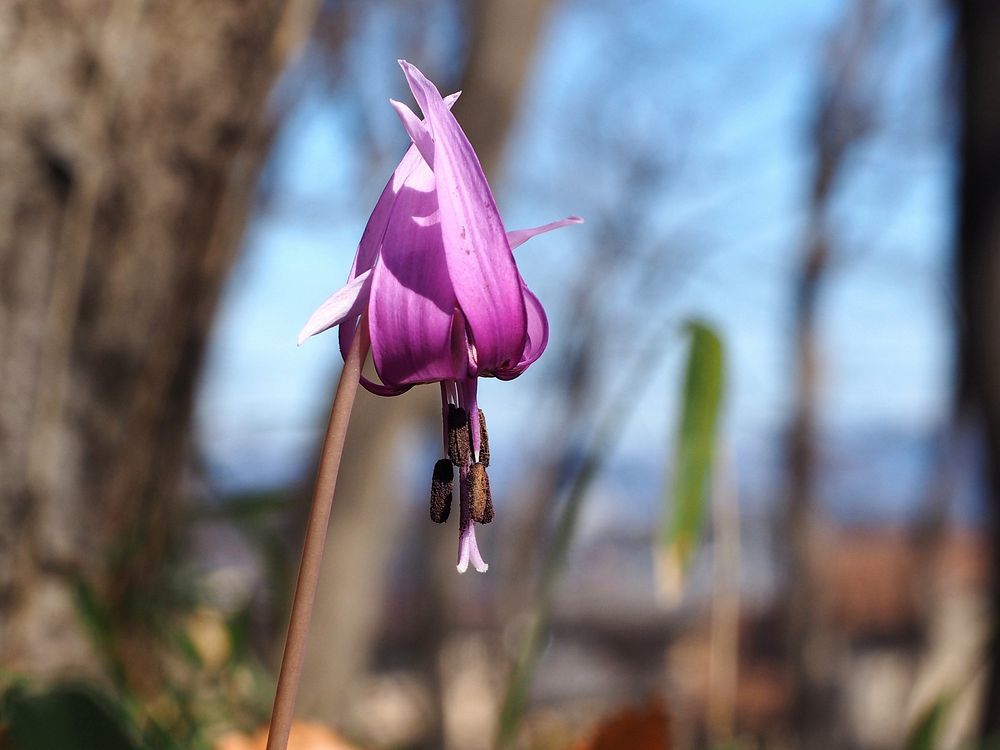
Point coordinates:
pixel 306 735
pixel 645 728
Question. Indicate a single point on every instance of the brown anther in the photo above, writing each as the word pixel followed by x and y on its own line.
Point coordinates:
pixel 480 499
pixel 484 441
pixel 458 435
pixel 441 484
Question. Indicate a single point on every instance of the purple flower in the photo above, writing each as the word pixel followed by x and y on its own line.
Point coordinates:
pixel 445 302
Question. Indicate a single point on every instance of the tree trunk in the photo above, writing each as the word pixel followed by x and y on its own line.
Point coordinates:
pixel 130 136
pixel 842 119
pixel 504 35
pixel 978 271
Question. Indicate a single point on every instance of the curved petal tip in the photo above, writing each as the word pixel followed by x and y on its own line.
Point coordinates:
pixel 518 237
pixel 345 303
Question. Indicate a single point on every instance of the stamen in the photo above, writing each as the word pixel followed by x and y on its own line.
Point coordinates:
pixel 484 440
pixel 458 436
pixel 441 487
pixel 480 499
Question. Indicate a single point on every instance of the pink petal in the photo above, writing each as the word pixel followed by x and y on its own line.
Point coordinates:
pixel 538 336
pixel 538 329
pixel 371 238
pixel 519 236
pixel 416 129
pixel 346 302
pixel 412 300
pixel 371 243
pixel 485 278
pixel 346 333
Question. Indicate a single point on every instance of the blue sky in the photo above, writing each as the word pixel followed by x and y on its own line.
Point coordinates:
pixel 721 92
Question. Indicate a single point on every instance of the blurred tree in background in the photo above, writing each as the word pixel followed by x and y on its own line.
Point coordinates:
pixel 978 278
pixel 132 135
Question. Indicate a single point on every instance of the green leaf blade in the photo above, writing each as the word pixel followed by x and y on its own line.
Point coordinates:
pixel 694 450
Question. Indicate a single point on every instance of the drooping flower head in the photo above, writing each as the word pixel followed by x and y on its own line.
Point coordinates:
pixel 435 281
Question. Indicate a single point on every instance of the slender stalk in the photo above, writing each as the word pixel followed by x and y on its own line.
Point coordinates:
pixel 724 644
pixel 312 550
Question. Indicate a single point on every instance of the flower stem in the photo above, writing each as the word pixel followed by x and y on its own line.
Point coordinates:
pixel 315 541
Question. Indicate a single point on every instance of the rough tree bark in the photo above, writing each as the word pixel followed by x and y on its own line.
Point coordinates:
pixel 130 135
pixel 978 271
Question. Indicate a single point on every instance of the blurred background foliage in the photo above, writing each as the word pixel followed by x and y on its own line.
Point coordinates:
pixel 747 498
